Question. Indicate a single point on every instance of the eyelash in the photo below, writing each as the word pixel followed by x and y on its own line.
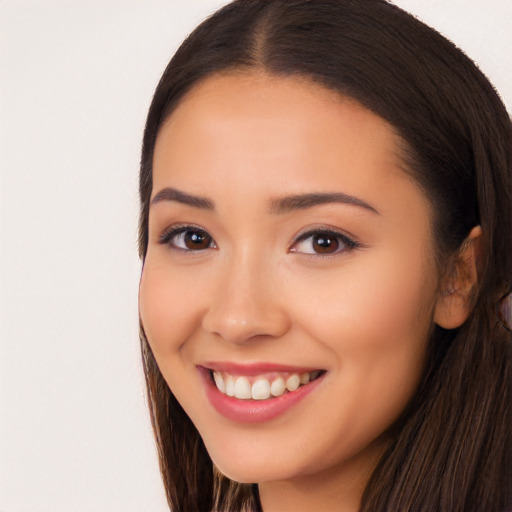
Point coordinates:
pixel 170 235
pixel 344 243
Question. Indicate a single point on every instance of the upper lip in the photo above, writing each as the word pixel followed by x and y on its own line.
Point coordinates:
pixel 256 368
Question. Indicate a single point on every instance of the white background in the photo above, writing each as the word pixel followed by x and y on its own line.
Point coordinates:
pixel 76 79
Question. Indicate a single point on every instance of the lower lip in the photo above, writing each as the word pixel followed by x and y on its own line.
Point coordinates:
pixel 254 411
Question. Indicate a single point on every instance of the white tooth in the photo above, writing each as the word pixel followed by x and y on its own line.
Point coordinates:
pixel 292 382
pixel 260 390
pixel 304 378
pixel 242 388
pixel 219 381
pixel 278 387
pixel 230 385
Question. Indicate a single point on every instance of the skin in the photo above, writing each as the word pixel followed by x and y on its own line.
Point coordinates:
pixel 258 295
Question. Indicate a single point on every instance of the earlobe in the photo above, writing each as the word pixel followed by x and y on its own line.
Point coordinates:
pixel 459 284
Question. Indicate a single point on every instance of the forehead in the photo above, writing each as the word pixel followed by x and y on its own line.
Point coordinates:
pixel 256 99
pixel 268 130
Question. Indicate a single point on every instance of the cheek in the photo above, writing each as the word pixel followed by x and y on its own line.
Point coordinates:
pixel 383 301
pixel 376 325
pixel 165 313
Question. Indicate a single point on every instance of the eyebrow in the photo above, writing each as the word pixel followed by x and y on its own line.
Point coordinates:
pixel 173 194
pixel 279 206
pixel 304 201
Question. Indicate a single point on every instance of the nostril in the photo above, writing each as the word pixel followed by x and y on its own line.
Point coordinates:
pixel 242 323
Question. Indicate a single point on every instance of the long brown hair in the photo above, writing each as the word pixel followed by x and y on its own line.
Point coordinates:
pixel 452 448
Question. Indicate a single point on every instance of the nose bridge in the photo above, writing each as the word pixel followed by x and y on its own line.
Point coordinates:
pixel 246 302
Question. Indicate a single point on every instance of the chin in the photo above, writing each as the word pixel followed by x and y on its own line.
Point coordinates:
pixel 250 470
pixel 248 473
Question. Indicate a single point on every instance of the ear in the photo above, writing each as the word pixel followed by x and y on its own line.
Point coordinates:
pixel 455 299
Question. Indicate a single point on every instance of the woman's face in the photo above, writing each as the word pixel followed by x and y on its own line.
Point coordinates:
pixel 285 245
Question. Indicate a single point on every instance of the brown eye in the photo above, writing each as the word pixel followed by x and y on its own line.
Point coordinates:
pixel 188 239
pixel 325 244
pixel 196 240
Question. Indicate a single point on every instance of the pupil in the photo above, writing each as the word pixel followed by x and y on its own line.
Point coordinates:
pixel 325 244
pixel 195 240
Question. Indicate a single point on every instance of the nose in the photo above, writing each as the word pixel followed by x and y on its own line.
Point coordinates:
pixel 247 302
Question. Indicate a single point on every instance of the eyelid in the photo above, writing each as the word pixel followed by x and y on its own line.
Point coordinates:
pixel 348 241
pixel 171 232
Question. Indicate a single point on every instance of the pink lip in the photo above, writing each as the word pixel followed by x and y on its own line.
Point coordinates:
pixel 253 411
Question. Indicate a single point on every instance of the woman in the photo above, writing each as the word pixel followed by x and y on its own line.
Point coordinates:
pixel 326 232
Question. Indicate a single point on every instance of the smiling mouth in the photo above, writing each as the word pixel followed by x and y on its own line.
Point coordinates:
pixel 262 387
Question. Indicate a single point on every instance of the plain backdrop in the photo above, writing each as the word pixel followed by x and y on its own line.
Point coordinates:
pixel 76 79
